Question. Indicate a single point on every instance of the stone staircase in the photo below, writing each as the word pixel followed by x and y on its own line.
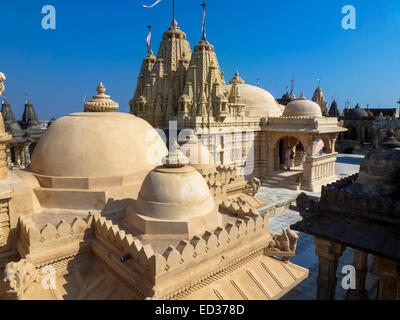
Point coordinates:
pixel 283 179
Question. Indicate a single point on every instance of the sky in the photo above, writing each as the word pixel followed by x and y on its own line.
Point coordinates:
pixel 269 42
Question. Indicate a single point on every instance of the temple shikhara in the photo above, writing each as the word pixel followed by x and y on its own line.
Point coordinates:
pixel 102 204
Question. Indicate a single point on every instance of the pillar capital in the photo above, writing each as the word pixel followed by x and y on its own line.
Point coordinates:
pixel 327 249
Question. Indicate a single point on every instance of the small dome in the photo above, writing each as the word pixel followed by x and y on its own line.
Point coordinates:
pixel 357 113
pixel 258 102
pixel 175 191
pixel 302 108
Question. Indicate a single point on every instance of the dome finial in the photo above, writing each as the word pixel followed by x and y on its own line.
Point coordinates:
pixel 101 89
pixel 101 102
pixel 175 158
pixel 302 97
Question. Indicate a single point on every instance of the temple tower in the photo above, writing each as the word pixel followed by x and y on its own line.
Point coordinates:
pixel 205 85
pixel 319 99
pixel 161 80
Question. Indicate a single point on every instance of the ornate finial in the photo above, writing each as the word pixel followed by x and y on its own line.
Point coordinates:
pixel 204 20
pixel 2 79
pixel 236 79
pixel 26 98
pixel 101 89
pixel 175 158
pixel 319 81
pixel 292 89
pixel 101 102
pixel 390 141
pixel 302 97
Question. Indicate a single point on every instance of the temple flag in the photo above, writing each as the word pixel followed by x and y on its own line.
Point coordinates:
pixel 157 2
pixel 148 41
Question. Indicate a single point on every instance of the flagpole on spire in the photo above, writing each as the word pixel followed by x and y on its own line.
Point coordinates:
pixel 204 20
pixel 173 10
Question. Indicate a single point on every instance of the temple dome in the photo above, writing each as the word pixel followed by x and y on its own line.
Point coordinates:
pixel 258 102
pixel 174 200
pixel 98 144
pixel 175 194
pixel 357 113
pixel 302 108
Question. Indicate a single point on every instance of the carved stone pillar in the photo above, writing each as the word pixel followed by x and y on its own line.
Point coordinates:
pixel 361 265
pixel 4 138
pixel 389 279
pixel 328 255
pixel 271 152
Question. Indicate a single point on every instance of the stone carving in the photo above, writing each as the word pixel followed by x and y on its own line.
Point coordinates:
pixel 2 79
pixel 253 186
pixel 238 206
pixel 19 276
pixel 284 244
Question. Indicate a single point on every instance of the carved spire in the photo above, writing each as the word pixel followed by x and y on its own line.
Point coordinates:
pixel 236 79
pixel 101 102
pixel 334 110
pixel 319 99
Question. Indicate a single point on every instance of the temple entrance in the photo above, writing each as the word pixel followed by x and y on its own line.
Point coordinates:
pixel 288 157
pixel 281 153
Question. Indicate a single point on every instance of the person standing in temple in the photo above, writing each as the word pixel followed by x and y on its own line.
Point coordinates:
pixel 288 158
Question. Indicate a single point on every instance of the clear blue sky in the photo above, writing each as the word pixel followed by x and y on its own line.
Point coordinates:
pixel 270 40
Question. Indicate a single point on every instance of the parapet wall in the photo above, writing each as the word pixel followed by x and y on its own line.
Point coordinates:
pixel 53 243
pixel 335 197
pixel 111 243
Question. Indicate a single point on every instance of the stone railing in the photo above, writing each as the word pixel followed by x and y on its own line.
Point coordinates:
pixel 323 167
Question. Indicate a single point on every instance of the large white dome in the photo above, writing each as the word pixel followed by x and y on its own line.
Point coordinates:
pixel 259 102
pixel 98 144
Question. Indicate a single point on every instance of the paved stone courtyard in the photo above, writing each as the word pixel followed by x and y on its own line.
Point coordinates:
pixel 305 254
